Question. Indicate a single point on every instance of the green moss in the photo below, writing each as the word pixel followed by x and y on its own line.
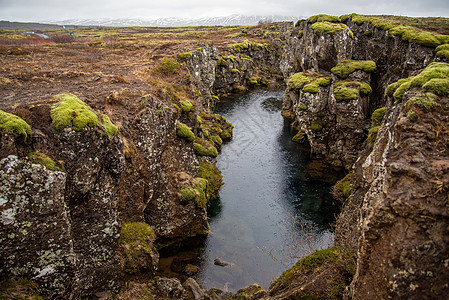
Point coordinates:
pixel 254 80
pixel 187 194
pixel 442 51
pixel 434 77
pixel 342 189
pixel 349 90
pixel 186 105
pixel 204 148
pixel 212 174
pixel 72 111
pixel 405 27
pixel 323 18
pixel 317 125
pixel 316 260
pixel 108 126
pixel 136 239
pixel 167 67
pixel 299 137
pixel 185 55
pixel 344 68
pixel 377 117
pixel 44 160
pixel 426 101
pixel 303 107
pixel 308 82
pixel 235 71
pixel 183 131
pixel 19 288
pixel 372 135
pixel 14 125
pixel 328 27
pixel 438 86
pixel 247 44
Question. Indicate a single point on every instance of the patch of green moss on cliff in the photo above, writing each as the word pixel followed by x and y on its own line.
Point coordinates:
pixel 19 288
pixel 186 105
pixel 344 68
pixel 317 125
pixel 372 135
pixel 44 160
pixel 212 174
pixel 299 137
pixel 308 82
pixel 314 261
pixel 432 79
pixel 14 125
pixel 108 126
pixel 377 117
pixel 183 131
pixel 136 239
pixel 70 110
pixel 167 67
pixel 426 101
pixel 328 27
pixel 442 51
pixel 204 148
pixel 185 55
pixel 323 18
pixel 342 189
pixel 438 86
pixel 405 27
pixel 247 44
pixel 349 90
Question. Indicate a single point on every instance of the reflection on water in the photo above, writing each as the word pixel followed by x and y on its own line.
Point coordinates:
pixel 263 172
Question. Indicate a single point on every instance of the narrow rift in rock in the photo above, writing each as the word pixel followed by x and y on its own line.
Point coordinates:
pixel 266 186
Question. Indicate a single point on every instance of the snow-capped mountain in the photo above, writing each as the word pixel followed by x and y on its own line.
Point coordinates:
pixel 176 22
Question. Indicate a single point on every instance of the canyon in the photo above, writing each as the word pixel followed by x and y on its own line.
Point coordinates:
pixel 109 145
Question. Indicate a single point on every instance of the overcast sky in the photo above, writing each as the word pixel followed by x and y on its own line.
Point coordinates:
pixel 55 10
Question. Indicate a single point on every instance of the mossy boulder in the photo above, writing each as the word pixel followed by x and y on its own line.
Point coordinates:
pixel 186 105
pixel 433 79
pixel 328 27
pixel 136 245
pixel 323 274
pixel 203 147
pixel 308 81
pixel 349 90
pixel 196 193
pixel 212 174
pixel 14 125
pixel 183 131
pixel 323 18
pixel 344 68
pixel 71 112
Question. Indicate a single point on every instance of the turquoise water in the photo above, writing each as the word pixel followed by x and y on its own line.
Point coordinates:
pixel 267 206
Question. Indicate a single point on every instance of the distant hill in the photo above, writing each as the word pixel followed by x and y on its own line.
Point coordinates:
pixel 6 25
pixel 231 20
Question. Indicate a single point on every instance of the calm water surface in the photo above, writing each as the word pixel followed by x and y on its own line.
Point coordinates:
pixel 265 188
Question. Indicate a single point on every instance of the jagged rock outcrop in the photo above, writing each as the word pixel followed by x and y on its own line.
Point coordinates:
pixel 66 219
pixel 399 210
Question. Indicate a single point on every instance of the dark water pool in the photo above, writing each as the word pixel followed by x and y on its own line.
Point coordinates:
pixel 266 207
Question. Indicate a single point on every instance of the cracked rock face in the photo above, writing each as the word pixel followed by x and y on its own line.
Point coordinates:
pixel 61 228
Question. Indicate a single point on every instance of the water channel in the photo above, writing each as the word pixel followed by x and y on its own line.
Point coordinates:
pixel 267 206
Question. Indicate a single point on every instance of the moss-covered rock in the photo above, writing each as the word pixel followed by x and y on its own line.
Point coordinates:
pixel 342 189
pixel 308 81
pixel 183 131
pixel 433 79
pixel 349 90
pixel 212 174
pixel 299 137
pixel 323 18
pixel 137 251
pixel 14 125
pixel 298 281
pixel 44 160
pixel 71 111
pixel 204 148
pixel 328 27
pixel 377 117
pixel 344 68
pixel 442 51
pixel 186 105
